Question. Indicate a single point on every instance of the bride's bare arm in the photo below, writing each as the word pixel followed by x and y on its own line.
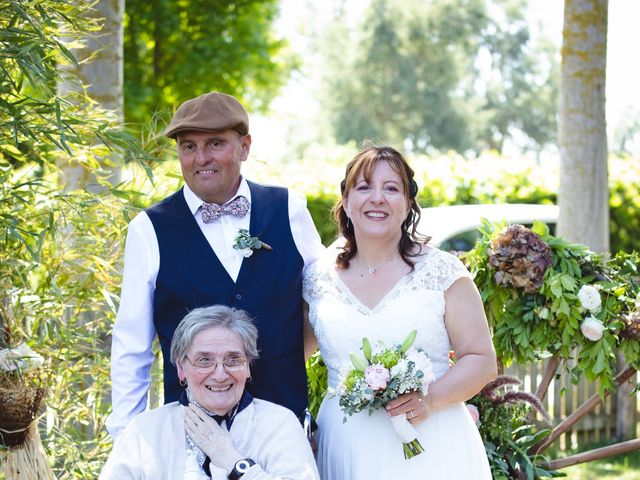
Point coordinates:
pixel 310 340
pixel 470 338
pixel 475 363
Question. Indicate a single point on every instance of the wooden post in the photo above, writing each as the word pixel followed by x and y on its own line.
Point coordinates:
pixel 625 407
pixel 580 412
pixel 549 374
pixel 596 454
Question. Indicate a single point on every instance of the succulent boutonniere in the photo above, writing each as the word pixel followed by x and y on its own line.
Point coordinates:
pixel 247 244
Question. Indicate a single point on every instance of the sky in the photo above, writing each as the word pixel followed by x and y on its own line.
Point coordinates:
pixel 296 106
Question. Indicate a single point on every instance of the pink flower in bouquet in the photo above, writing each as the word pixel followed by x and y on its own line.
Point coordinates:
pixel 377 376
pixel 473 411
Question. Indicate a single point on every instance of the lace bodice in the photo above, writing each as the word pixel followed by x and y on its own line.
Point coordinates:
pixel 417 301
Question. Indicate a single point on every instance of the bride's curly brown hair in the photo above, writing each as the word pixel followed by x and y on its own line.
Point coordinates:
pixel 363 165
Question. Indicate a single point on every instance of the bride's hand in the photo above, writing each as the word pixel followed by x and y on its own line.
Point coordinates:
pixel 412 405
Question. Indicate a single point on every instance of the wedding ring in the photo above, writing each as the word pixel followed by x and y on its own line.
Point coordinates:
pixel 412 415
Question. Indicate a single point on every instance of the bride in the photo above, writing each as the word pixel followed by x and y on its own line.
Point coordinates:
pixel 382 283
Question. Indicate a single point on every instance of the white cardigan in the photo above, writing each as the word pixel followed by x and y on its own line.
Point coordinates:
pixel 153 446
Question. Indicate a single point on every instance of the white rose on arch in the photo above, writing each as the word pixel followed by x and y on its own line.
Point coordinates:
pixel 589 297
pixel 592 328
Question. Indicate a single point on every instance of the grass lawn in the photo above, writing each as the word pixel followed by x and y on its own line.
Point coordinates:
pixel 622 467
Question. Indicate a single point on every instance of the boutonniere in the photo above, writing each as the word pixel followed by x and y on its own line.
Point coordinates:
pixel 247 244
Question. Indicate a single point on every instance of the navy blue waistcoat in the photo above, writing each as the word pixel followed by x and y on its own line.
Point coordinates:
pixel 269 287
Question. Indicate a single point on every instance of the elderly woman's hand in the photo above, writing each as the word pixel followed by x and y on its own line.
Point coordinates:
pixel 211 438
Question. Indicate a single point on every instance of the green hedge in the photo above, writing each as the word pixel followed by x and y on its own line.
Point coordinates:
pixel 624 204
pixel 624 216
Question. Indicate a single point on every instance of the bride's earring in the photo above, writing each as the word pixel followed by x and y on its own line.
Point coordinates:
pixel 183 382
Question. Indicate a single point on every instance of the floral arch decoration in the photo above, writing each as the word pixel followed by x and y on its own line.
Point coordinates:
pixel 546 297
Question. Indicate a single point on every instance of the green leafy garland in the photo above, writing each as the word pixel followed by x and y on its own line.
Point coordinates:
pixel 530 323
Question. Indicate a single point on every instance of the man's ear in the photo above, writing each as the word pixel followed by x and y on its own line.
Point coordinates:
pixel 245 146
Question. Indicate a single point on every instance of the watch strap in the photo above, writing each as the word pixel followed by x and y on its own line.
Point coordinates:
pixel 240 468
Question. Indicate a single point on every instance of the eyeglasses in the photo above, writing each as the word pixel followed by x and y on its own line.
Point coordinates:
pixel 206 364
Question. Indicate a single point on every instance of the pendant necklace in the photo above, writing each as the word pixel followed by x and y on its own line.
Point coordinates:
pixel 371 269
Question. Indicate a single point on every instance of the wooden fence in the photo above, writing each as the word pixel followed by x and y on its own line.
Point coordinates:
pixel 564 397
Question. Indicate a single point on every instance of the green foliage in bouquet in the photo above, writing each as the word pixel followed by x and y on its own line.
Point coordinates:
pixel 544 295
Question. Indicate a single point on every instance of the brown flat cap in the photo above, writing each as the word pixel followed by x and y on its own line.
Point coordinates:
pixel 211 112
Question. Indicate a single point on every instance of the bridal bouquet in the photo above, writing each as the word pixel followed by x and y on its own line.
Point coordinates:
pixel 383 375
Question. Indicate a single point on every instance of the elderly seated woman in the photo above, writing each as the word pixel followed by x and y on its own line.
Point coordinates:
pixel 217 430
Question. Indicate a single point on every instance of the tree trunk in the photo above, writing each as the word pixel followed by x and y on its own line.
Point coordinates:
pixel 100 72
pixel 584 196
pixel 584 193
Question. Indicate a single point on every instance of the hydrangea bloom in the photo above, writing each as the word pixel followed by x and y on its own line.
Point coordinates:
pixel 520 257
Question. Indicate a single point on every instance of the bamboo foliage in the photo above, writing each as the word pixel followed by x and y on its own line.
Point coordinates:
pixel 59 250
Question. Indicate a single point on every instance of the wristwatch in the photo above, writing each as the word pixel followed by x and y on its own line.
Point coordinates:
pixel 240 468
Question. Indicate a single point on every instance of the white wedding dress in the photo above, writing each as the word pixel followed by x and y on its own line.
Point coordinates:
pixel 366 447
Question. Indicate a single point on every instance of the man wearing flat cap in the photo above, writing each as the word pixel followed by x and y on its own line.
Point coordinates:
pixel 180 255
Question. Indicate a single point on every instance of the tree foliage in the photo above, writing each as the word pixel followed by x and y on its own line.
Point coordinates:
pixel 445 74
pixel 33 120
pixel 37 124
pixel 59 249
pixel 175 50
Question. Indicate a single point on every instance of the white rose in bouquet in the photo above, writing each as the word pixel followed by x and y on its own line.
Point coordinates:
pixel 423 363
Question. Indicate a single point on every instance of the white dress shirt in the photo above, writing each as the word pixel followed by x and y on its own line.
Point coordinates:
pixel 133 331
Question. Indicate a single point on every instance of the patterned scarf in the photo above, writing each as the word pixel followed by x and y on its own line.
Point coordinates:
pixel 203 460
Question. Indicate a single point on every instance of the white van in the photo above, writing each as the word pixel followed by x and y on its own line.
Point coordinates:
pixel 455 227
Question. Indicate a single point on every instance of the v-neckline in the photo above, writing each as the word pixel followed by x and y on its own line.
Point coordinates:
pixel 342 286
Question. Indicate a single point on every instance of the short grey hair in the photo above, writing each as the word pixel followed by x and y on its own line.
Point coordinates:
pixel 199 319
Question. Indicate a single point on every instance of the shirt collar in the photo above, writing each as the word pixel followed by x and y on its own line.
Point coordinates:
pixel 194 202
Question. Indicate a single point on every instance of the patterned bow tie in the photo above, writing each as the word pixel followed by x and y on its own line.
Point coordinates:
pixel 238 207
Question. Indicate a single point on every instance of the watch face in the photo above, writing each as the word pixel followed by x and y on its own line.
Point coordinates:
pixel 242 466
